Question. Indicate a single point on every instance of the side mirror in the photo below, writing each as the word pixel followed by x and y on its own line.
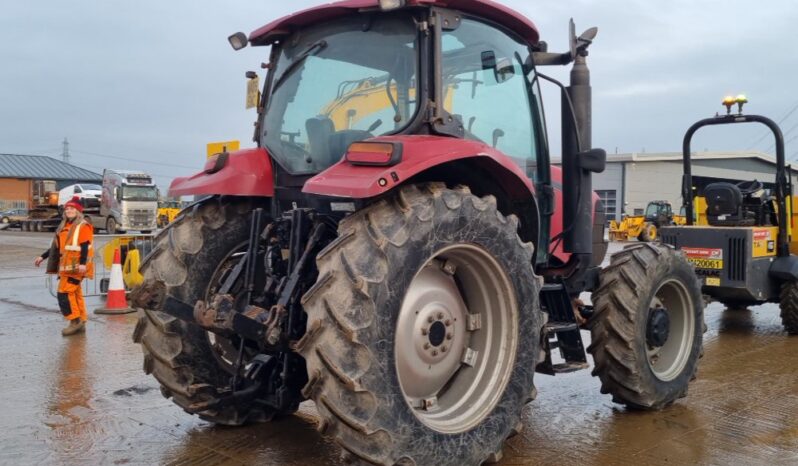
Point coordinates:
pixel 502 69
pixel 593 160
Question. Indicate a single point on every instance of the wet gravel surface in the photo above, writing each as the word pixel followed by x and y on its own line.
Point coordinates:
pixel 86 400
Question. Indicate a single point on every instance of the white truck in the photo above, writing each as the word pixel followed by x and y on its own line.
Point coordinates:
pixel 129 202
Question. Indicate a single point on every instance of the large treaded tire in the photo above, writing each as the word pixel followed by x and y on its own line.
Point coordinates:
pixel 352 317
pixel 788 303
pixel 618 327
pixel 183 261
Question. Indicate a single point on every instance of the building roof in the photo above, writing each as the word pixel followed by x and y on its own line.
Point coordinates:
pixel 641 157
pixel 705 155
pixel 42 167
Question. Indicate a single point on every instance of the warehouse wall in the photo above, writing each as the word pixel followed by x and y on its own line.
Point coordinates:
pixel 608 185
pixel 648 181
pixel 14 191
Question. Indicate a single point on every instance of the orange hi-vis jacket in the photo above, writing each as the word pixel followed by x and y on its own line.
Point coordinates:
pixel 69 241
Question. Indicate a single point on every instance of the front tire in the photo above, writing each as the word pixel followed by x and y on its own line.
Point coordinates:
pixel 648 326
pixel 649 233
pixel 788 303
pixel 423 330
pixel 110 226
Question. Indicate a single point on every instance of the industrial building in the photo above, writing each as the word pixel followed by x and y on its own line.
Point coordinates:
pixel 21 176
pixel 630 181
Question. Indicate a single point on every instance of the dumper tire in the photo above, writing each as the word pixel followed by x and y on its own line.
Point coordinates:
pixel 355 314
pixel 178 354
pixel 639 279
pixel 788 303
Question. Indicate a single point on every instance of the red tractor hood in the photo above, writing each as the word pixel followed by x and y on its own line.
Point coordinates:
pixel 487 9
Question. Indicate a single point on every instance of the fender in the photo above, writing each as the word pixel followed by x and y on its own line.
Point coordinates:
pixel 246 172
pixel 419 153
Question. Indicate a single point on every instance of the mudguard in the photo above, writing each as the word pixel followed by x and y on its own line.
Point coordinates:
pixel 419 153
pixel 247 172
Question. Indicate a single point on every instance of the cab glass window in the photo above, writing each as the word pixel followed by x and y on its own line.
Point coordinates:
pixel 486 83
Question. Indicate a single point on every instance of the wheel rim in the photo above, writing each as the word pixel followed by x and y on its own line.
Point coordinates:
pixel 456 338
pixel 668 361
pixel 652 232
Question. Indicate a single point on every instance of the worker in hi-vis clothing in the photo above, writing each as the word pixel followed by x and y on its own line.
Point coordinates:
pixel 70 257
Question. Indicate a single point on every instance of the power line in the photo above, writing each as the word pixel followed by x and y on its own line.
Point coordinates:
pixel 135 160
pixel 764 135
pixel 160 175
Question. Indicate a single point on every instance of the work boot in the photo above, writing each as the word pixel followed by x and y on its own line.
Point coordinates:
pixel 74 326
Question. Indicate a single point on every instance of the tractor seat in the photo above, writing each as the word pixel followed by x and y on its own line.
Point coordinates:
pixel 725 206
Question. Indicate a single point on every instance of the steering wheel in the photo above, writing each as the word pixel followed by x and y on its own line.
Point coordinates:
pixel 749 187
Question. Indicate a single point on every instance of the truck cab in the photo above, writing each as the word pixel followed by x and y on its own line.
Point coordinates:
pixel 129 202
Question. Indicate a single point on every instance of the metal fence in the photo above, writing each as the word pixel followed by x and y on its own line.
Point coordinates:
pixel 6 204
pixel 132 248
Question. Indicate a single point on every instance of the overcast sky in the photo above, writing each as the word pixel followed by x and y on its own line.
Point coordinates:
pixel 147 84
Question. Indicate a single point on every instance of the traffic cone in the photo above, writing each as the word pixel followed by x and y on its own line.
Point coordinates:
pixel 116 301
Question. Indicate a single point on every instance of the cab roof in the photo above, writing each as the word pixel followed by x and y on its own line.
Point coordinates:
pixel 486 9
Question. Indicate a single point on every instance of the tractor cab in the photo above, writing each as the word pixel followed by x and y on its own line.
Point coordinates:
pixel 660 213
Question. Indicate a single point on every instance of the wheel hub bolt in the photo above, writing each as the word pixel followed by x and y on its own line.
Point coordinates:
pixel 424 331
pixel 448 322
pixel 430 319
pixel 440 316
pixel 443 349
pixel 426 345
pixel 449 336
pixel 434 352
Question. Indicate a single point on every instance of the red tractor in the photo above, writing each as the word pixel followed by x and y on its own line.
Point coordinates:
pixel 398 264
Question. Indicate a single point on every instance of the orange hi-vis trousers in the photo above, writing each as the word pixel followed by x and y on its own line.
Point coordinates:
pixel 70 298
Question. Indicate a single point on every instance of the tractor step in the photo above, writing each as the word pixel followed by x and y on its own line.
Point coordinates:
pixel 566 367
pixel 557 327
pixel 561 332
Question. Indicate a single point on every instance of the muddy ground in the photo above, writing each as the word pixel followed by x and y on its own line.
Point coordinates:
pixel 85 399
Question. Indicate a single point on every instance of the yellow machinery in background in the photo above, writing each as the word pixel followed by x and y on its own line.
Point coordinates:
pixel 745 252
pixel 167 211
pixel 645 227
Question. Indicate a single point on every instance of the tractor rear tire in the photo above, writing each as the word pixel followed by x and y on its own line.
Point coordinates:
pixel 640 367
pixel 649 233
pixel 788 303
pixel 178 354
pixel 369 320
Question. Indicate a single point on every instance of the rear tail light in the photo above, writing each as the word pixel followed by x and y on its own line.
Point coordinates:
pixel 374 153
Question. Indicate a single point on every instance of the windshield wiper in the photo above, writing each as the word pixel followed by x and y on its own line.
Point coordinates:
pixel 312 50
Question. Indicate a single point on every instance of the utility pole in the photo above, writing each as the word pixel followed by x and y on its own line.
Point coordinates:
pixel 65 151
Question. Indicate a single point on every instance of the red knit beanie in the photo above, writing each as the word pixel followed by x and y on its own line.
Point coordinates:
pixel 74 202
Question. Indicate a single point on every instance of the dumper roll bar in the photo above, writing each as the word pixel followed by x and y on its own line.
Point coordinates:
pixel 783 242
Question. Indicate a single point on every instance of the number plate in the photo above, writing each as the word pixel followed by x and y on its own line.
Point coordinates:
pixel 713 281
pixel 715 264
